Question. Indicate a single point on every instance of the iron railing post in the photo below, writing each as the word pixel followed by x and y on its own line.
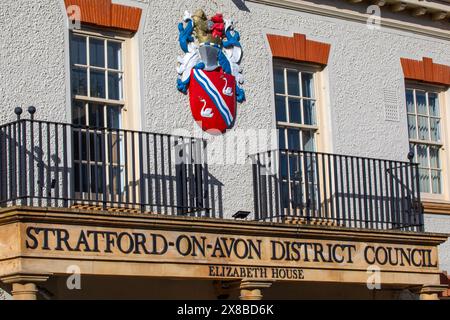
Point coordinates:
pixel 416 199
pixel 21 145
pixel 142 192
pixel 3 167
pixel 205 177
pixel 31 111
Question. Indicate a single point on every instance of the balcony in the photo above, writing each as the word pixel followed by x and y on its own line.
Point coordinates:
pixel 60 165
pixel 304 187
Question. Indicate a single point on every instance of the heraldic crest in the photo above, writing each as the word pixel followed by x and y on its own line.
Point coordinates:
pixel 210 69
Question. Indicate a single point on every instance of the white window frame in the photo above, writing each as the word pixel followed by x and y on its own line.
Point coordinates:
pixel 103 35
pixel 88 98
pixel 286 125
pixel 442 144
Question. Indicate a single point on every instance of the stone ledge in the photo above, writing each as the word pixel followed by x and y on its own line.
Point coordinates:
pixel 436 207
pixel 194 224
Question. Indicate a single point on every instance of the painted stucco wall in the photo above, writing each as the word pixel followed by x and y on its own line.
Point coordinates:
pixel 363 64
pixel 32 58
pixel 440 224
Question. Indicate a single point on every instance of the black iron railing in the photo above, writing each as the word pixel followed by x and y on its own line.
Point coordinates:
pixel 340 190
pixel 44 163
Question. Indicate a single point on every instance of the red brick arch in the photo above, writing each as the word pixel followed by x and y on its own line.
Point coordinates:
pixel 299 48
pixel 426 71
pixel 103 13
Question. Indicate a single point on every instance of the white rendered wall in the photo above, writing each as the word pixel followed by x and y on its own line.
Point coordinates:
pixel 440 224
pixel 32 58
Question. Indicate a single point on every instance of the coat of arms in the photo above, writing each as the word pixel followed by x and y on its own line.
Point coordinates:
pixel 210 69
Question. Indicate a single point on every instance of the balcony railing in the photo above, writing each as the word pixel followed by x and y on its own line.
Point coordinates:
pixel 44 163
pixel 338 190
pixel 51 164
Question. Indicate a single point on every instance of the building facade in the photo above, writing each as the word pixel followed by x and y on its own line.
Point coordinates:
pixel 331 180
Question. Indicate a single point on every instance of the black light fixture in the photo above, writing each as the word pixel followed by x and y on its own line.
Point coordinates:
pixel 241 214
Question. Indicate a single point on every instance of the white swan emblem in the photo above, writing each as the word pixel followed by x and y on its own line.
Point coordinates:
pixel 228 91
pixel 206 112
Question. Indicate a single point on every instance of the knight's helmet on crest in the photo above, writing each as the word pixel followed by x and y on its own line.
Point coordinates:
pixel 210 69
pixel 209 35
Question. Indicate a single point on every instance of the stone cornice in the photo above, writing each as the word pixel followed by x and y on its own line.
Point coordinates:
pixel 436 207
pixel 211 225
pixel 437 12
pixel 48 240
pixel 25 278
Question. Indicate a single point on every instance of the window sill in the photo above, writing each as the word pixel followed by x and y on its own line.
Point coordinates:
pixel 436 207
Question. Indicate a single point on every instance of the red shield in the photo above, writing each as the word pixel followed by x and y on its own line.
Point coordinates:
pixel 212 96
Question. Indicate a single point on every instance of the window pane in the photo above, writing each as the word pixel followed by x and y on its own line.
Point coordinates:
pixel 308 162
pixel 309 112
pixel 96 144
pixel 118 179
pixel 97 179
pixel 114 117
pixel 281 138
pixel 424 175
pixel 115 86
pixel 285 195
pixel 79 113
pixel 77 137
pixel 79 82
pixel 97 52
pixel 410 101
pixel 308 140
pixel 307 85
pixel 80 145
pixel 294 111
pixel 423 128
pixel 81 178
pixel 115 151
pixel 434 158
pixel 412 148
pixel 98 84
pixel 96 116
pixel 296 193
pixel 293 84
pixel 433 103
pixel 421 102
pixel 422 156
pixel 283 165
pixel 310 166
pixel 78 50
pixel 412 128
pixel 280 108
pixel 294 166
pixel 436 181
pixel 435 130
pixel 114 55
pixel 294 139
pixel 278 75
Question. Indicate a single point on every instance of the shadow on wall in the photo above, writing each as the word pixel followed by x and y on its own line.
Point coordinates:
pixel 241 5
pixel 44 165
pixel 216 197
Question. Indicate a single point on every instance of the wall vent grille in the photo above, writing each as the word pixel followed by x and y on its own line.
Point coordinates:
pixel 391 105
